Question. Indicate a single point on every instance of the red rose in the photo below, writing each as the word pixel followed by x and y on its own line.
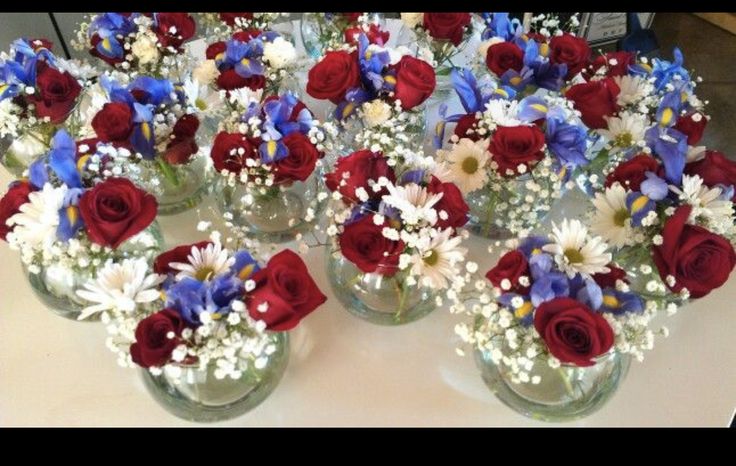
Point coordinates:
pixel 571 50
pixel 333 76
pixel 374 34
pixel 608 280
pixel 225 151
pixel 113 123
pixel 449 26
pixel 464 124
pixel 181 148
pixel 363 244
pixel 452 203
pixel 595 100
pixel 514 145
pixel 214 49
pixel 116 209
pixel 699 260
pixel 300 162
pixel 415 81
pixel 622 62
pixel 10 203
pixel 361 166
pixel 511 266
pixel 573 333
pixel 687 125
pixel 95 53
pixel 173 29
pixel 162 264
pixel 56 93
pixel 153 347
pixel 229 80
pixel 288 290
pixel 246 35
pixel 633 172
pixel 715 168
pixel 504 56
pixel 229 18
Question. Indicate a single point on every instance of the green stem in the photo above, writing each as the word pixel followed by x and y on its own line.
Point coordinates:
pixel 168 171
pixel 403 292
pixel 566 381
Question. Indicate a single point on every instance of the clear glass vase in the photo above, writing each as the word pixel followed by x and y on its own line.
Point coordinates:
pixel 17 154
pixel 377 298
pixel 505 212
pixel 56 285
pixel 176 187
pixel 276 215
pixel 319 31
pixel 563 394
pixel 197 395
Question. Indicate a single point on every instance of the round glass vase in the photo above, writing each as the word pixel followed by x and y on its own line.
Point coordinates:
pixel 198 395
pixel 276 215
pixel 563 394
pixel 503 212
pixel 375 297
pixel 17 154
pixel 56 285
pixel 322 30
pixel 177 187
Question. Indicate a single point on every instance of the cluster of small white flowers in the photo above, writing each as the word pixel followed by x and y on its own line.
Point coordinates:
pixel 216 28
pixel 550 24
pixel 387 128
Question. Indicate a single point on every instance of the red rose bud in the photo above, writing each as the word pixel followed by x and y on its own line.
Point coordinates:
pixel 162 263
pixel 333 76
pixel 181 148
pixel 285 293
pixel 57 93
pixel 616 64
pixel 595 100
pixel 300 162
pixel 573 333
pixel 113 123
pixel 363 244
pixel 698 260
pixel 633 172
pixel 447 26
pixel 608 280
pixel 464 125
pixel 226 154
pixel 571 50
pixel 515 145
pixel 511 267
pixel 452 203
pixel 115 210
pixel 213 50
pixel 415 81
pixel 173 29
pixel 692 126
pixel 715 168
pixel 153 347
pixel 504 56
pixel 361 166
pixel 10 203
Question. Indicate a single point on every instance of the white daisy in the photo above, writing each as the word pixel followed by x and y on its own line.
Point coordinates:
pixel 202 97
pixel 612 220
pixel 414 202
pixel 38 219
pixel 204 263
pixel 709 208
pixel 625 130
pixel 633 89
pixel 575 251
pixel 502 112
pixel 436 262
pixel 467 162
pixel 120 286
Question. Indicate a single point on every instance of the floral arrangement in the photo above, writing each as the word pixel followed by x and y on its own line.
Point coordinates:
pixel 514 155
pixel 38 94
pixel 332 30
pixel 439 36
pixel 138 43
pixel 396 221
pixel 71 218
pixel 256 59
pixel 202 306
pixel 551 301
pixel 379 87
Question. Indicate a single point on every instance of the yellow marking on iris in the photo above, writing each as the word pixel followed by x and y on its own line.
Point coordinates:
pixel 368 54
pixel 515 80
pixel 271 148
pixel 146 130
pixel 106 44
pixel 246 271
pixel 245 61
pixel 539 107
pixel 390 79
pixel 348 109
pixel 220 56
pixel 82 162
pixel 72 214
pixel 639 203
pixel 502 92
pixel 536 251
pixel 683 96
pixel 611 301
pixel 216 316
pixel 393 223
pixel 563 172
pixel 3 87
pixel 646 67
pixel 544 49
pixel 667 115
pixel 439 128
pixel 523 310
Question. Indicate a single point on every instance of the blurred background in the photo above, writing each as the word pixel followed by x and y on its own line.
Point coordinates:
pixel 708 41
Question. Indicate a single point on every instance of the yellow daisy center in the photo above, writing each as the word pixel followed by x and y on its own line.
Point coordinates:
pixel 574 256
pixel 624 140
pixel 620 217
pixel 470 165
pixel 200 104
pixel 204 273
pixel 432 259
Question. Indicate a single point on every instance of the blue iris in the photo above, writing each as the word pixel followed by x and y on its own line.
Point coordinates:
pixel 192 297
pixel 524 312
pixel 669 109
pixel 568 142
pixel 654 187
pixel 532 245
pixel 548 286
pixel 665 71
pixel 245 265
pixel 620 302
pixel 670 146
pixel 586 291
pixel 70 222
pixel 639 206
pixel 63 159
pixel 499 25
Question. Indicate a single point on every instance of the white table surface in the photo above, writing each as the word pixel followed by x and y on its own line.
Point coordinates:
pixel 344 371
